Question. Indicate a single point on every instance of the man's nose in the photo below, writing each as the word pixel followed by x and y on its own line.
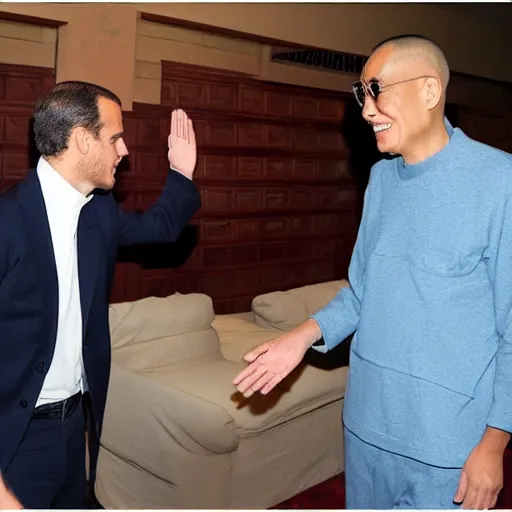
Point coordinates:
pixel 122 150
pixel 369 108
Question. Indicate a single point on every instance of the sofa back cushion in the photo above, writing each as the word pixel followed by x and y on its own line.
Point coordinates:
pixel 285 310
pixel 154 332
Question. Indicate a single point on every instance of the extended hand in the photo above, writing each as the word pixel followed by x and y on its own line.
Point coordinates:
pixel 7 499
pixel 481 479
pixel 182 144
pixel 272 361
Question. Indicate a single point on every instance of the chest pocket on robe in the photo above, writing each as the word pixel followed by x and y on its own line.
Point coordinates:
pixel 434 302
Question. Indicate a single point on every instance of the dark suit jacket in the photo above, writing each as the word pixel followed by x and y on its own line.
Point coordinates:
pixel 29 290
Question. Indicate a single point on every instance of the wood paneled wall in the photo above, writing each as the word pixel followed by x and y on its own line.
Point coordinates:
pixel 281 190
pixel 280 206
pixel 492 128
pixel 20 86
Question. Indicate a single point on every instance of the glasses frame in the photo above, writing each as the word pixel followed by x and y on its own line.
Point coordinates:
pixel 366 86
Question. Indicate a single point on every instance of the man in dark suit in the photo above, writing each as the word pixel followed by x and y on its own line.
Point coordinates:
pixel 58 247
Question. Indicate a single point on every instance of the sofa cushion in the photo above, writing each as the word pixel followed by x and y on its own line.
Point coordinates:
pixel 157 332
pixel 285 310
pixel 157 317
pixel 238 334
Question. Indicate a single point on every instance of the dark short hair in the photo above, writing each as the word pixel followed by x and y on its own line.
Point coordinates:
pixel 66 106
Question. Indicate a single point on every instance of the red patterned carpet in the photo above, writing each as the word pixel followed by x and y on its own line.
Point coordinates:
pixel 327 495
pixel 331 494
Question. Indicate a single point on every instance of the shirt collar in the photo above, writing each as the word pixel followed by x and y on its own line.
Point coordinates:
pixel 56 188
pixel 448 126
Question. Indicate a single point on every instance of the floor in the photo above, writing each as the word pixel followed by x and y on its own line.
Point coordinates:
pixel 331 494
pixel 327 495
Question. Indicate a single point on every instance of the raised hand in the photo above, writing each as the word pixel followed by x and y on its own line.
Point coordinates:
pixel 182 153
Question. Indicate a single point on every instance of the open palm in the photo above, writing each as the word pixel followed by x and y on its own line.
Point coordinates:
pixel 182 153
pixel 269 364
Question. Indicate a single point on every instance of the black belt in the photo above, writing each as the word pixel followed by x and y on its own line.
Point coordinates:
pixel 57 410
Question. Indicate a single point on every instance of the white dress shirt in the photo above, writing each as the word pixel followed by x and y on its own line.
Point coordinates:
pixel 64 203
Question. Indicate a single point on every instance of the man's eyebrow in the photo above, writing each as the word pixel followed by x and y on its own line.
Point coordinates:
pixel 116 136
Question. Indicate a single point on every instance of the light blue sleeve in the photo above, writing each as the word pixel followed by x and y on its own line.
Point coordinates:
pixel 340 317
pixel 500 272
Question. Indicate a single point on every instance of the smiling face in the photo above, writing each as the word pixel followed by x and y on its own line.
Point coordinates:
pixel 106 151
pixel 402 113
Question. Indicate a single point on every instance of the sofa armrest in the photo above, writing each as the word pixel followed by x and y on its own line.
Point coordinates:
pixel 150 416
pixel 285 310
pixel 307 388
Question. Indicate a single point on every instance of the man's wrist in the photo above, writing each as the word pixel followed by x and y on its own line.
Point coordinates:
pixel 495 440
pixel 190 177
pixel 310 333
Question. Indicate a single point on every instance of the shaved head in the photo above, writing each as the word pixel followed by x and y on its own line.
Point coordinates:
pixel 403 94
pixel 418 47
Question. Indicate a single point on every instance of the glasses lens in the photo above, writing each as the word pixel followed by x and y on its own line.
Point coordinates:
pixel 359 92
pixel 374 88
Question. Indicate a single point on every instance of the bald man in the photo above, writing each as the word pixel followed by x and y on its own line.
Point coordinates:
pixel 428 407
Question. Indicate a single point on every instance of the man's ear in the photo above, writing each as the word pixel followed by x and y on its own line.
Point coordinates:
pixel 81 139
pixel 433 92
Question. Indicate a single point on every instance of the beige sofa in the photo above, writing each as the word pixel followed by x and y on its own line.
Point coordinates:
pixel 176 433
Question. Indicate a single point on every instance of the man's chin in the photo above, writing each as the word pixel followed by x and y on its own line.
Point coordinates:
pixel 103 187
pixel 108 185
pixel 386 148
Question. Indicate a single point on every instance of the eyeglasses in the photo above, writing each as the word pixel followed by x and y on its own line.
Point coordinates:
pixel 374 87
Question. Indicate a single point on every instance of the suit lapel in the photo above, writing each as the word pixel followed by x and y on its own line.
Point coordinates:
pixel 41 253
pixel 88 255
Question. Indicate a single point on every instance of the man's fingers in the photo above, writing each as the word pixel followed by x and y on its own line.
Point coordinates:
pixel 251 356
pixel 244 374
pixel 262 381
pixel 246 387
pixel 174 123
pixel 184 122
pixel 480 498
pixel 483 499
pixel 470 500
pixel 247 377
pixel 462 489
pixel 180 124
pixel 274 381
pixel 489 499
pixel 191 133
pixel 182 127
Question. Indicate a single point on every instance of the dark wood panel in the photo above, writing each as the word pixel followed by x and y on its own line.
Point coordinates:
pixel 280 205
pixel 493 129
pixel 194 87
pixel 280 202
pixel 20 87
